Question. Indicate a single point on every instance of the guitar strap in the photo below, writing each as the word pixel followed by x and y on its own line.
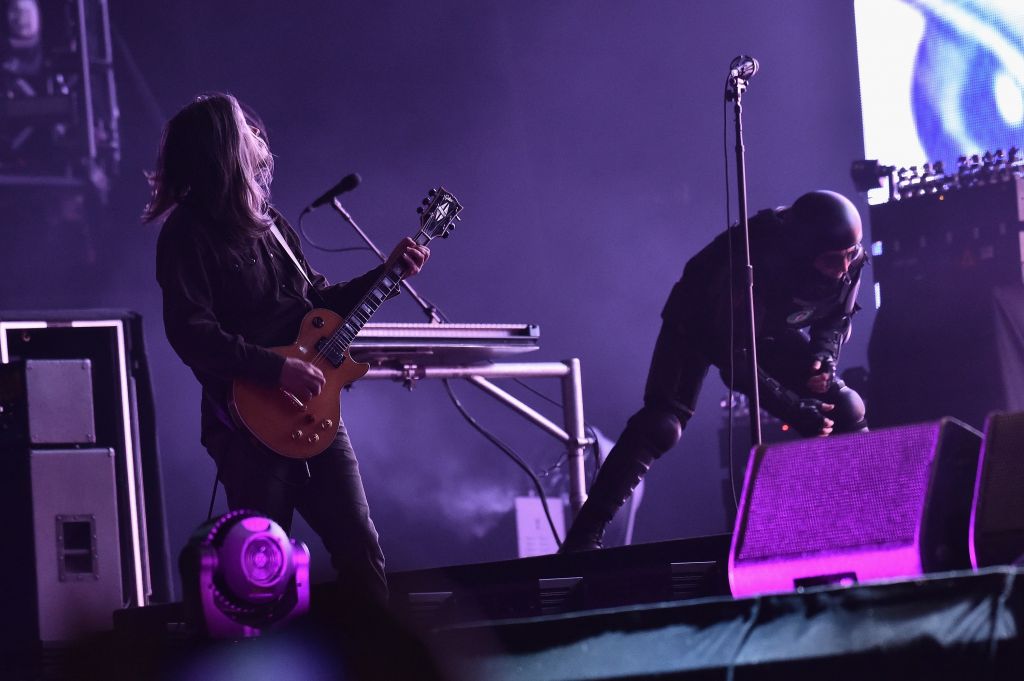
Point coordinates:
pixel 287 249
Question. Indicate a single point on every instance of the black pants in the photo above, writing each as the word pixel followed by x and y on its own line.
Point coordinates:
pixel 329 495
pixel 678 369
pixel 679 366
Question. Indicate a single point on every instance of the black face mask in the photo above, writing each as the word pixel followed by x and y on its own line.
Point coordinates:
pixel 811 285
pixel 815 285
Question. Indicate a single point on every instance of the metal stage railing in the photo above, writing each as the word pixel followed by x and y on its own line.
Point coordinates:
pixel 571 433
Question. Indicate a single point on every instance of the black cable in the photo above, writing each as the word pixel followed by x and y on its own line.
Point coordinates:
pixel 518 460
pixel 213 495
pixel 539 394
pixel 455 400
pixel 590 431
pixel 431 308
pixel 319 247
pixel 546 473
pixel 732 308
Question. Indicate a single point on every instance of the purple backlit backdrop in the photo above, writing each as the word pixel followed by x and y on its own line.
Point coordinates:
pixel 584 139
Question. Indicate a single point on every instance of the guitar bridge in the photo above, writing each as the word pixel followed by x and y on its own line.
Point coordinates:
pixel 332 351
pixel 292 399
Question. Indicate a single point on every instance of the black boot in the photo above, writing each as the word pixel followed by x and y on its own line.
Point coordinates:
pixel 616 480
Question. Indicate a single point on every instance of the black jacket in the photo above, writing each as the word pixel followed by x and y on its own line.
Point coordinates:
pixel 225 301
pixel 788 294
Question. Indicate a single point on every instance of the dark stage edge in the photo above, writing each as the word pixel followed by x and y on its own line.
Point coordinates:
pixel 680 569
pixel 962 625
pixel 959 625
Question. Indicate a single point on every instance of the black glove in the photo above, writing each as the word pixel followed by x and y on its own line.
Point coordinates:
pixel 828 366
pixel 805 416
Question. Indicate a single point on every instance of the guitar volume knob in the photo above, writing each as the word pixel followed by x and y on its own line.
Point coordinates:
pixel 297 435
pixel 326 424
pixel 313 438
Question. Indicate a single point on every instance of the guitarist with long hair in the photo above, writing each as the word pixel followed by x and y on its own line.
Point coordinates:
pixel 231 290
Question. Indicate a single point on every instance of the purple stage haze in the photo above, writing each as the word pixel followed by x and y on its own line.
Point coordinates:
pixel 584 139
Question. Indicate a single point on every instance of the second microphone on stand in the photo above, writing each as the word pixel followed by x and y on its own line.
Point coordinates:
pixel 347 184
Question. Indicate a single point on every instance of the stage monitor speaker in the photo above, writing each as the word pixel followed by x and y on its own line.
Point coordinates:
pixel 997 518
pixel 47 402
pixel 855 508
pixel 63 573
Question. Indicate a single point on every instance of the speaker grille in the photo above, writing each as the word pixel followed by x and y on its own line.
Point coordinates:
pixel 849 491
pixel 1001 502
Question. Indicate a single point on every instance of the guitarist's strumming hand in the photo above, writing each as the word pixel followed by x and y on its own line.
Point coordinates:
pixel 411 255
pixel 301 379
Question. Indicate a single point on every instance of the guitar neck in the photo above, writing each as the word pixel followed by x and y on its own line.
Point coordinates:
pixel 382 288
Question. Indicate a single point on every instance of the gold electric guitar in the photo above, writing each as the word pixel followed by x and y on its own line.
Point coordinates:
pixel 299 428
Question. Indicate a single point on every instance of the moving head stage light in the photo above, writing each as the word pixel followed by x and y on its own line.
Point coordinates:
pixel 242 575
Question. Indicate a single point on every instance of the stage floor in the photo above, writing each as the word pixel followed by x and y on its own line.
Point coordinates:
pixel 962 625
pixel 952 625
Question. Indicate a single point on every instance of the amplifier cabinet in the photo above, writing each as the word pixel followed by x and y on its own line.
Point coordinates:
pixel 123 414
pixel 968 237
pixel 47 402
pixel 77 556
pixel 63 575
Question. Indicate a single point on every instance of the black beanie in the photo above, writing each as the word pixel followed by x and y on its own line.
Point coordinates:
pixel 821 221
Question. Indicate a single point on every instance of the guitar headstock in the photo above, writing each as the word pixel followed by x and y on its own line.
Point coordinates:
pixel 439 214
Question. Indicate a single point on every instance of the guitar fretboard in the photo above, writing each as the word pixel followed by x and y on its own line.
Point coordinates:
pixel 386 283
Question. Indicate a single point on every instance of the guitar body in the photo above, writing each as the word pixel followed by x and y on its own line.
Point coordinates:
pixel 289 424
pixel 299 428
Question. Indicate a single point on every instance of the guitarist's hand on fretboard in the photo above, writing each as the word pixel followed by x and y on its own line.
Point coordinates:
pixel 411 255
pixel 301 379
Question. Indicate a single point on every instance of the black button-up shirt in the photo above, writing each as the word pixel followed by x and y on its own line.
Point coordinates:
pixel 225 301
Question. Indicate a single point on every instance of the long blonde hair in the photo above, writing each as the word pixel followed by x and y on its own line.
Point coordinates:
pixel 214 158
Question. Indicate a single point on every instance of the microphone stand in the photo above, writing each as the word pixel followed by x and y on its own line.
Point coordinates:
pixel 428 309
pixel 735 88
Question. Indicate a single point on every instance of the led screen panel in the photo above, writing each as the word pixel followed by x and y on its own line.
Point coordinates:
pixel 940 78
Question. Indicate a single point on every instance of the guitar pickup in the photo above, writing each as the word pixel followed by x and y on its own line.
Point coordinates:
pixel 332 350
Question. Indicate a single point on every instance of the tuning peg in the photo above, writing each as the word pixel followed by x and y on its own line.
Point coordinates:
pixel 457 218
pixel 426 202
pixel 432 192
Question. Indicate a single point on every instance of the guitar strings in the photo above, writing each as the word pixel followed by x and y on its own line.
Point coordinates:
pixel 334 341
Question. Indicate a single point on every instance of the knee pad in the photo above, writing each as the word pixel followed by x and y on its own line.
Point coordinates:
pixel 849 414
pixel 655 430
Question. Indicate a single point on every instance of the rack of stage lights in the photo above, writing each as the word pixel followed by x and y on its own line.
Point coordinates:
pixel 59 115
pixel 977 170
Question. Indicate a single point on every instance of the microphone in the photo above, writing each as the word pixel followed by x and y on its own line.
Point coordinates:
pixel 347 184
pixel 743 66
